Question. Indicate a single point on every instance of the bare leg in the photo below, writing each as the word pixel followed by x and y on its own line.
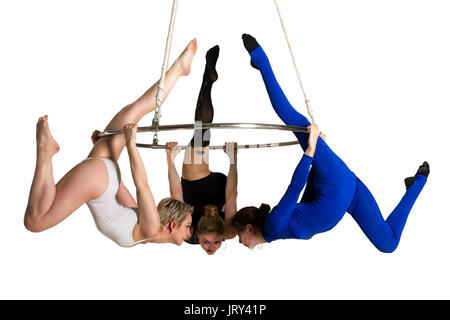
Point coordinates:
pixel 43 187
pixel 112 146
pixel 49 204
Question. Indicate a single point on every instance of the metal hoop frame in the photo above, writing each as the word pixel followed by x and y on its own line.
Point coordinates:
pixel 234 125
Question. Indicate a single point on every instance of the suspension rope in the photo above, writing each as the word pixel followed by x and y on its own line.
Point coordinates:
pixel 307 101
pixel 160 93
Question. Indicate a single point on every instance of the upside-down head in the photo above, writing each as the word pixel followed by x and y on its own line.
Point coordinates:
pixel 210 230
pixel 249 223
pixel 177 217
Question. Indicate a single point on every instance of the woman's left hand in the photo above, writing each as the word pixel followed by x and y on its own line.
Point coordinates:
pixel 314 134
pixel 129 130
pixel 231 149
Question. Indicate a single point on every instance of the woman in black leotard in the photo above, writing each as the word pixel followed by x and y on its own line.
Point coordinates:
pixel 199 186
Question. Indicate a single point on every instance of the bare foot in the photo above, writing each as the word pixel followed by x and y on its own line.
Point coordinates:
pixel 184 61
pixel 46 144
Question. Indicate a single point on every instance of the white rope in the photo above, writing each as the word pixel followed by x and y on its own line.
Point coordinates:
pixel 307 101
pixel 160 93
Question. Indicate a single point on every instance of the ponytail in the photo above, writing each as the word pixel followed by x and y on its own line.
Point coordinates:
pixel 211 222
pixel 251 215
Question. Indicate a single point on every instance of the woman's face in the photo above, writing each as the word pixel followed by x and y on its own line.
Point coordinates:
pixel 183 231
pixel 210 242
pixel 247 237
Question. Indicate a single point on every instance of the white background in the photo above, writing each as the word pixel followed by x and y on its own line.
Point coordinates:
pixel 377 73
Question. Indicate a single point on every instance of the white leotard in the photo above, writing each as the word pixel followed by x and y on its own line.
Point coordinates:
pixel 112 219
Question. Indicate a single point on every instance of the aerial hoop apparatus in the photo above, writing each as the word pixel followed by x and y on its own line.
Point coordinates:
pixel 156 127
pixel 234 125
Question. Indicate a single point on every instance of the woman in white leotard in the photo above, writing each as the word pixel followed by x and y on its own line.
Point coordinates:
pixel 96 180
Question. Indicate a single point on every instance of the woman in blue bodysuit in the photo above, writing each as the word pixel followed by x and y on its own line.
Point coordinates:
pixel 332 189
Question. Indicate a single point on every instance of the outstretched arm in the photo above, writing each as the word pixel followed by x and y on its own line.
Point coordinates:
pixel 279 217
pixel 148 217
pixel 176 191
pixel 231 190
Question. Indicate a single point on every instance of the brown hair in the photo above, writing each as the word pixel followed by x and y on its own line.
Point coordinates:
pixel 211 222
pixel 170 209
pixel 251 215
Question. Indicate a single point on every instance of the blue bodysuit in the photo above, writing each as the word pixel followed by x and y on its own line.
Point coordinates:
pixel 332 189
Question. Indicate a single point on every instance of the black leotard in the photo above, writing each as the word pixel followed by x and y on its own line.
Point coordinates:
pixel 209 190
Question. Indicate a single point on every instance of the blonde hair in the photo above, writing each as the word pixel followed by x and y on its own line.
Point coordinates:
pixel 211 222
pixel 170 209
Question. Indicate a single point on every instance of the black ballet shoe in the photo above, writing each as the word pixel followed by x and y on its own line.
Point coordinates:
pixel 409 182
pixel 250 44
pixel 424 169
pixel 211 60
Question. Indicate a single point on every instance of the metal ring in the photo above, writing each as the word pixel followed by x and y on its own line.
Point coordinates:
pixel 243 146
pixel 234 125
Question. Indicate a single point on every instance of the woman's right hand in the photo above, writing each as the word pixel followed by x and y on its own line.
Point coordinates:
pixel 94 136
pixel 173 149
pixel 314 134
pixel 129 131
